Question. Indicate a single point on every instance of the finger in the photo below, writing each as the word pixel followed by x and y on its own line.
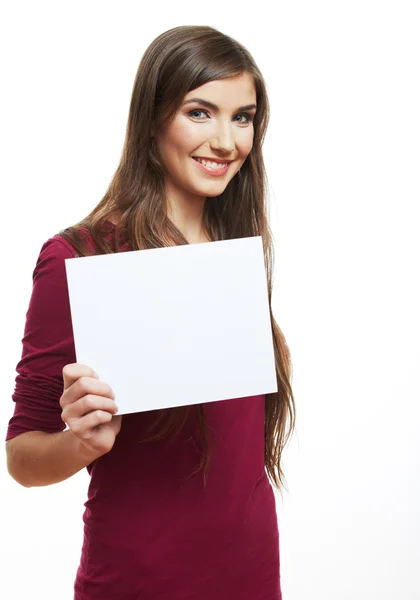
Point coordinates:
pixel 83 427
pixel 87 404
pixel 75 371
pixel 83 387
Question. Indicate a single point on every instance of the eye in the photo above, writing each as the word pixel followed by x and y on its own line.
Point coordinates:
pixel 248 118
pixel 197 110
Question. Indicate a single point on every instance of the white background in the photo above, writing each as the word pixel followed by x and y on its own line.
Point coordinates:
pixel 343 156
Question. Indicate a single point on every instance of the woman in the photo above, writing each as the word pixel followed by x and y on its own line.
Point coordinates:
pixel 179 504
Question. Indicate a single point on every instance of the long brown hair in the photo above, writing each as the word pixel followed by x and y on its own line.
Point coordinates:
pixel 176 62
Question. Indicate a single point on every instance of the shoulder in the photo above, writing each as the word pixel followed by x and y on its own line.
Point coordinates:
pixel 52 257
pixel 57 247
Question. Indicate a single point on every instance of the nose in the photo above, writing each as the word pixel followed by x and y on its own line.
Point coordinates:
pixel 223 139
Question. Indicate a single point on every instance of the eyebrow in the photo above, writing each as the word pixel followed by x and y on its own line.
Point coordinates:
pixel 214 106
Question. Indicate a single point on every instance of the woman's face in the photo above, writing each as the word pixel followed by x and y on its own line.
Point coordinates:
pixel 215 123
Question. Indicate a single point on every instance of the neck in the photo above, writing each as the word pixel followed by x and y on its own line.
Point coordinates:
pixel 187 216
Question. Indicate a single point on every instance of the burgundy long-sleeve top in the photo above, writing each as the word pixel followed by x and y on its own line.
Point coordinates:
pixel 152 532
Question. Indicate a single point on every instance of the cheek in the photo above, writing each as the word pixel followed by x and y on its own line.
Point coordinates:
pixel 186 137
pixel 246 142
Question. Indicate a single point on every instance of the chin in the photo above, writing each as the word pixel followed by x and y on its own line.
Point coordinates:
pixel 213 189
pixel 215 194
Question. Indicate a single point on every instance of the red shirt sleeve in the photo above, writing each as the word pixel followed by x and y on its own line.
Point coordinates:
pixel 47 345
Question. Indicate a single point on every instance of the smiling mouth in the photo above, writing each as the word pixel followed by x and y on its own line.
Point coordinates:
pixel 212 164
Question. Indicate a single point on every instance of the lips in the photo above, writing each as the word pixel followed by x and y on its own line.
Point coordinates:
pixel 213 171
pixel 216 160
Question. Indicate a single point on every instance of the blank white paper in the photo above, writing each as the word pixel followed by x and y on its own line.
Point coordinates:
pixel 175 326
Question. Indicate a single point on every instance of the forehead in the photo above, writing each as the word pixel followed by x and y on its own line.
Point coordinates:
pixel 231 91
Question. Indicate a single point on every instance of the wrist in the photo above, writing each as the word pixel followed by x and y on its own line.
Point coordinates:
pixel 88 455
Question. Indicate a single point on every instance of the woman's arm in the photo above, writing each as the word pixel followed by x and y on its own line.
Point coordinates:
pixel 36 458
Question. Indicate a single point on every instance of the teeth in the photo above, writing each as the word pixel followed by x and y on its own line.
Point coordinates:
pixel 212 165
